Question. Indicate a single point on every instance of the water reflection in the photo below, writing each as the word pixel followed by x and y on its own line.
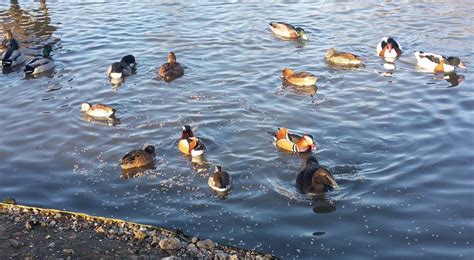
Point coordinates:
pixel 453 78
pixel 298 90
pixel 110 121
pixel 136 172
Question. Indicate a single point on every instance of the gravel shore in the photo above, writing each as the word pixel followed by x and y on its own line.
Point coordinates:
pixel 37 233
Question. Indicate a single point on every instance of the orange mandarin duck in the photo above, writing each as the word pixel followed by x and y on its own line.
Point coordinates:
pixel 293 142
pixel 189 144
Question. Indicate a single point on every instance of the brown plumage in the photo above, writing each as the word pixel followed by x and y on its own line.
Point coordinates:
pixel 220 180
pixel 301 79
pixel 342 58
pixel 171 70
pixel 314 178
pixel 138 158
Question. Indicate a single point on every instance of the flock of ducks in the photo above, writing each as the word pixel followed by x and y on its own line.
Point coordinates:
pixel 313 178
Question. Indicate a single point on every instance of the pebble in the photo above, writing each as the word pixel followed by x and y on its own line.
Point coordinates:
pixel 192 248
pixel 52 223
pixel 170 244
pixel 139 235
pixel 220 256
pixel 28 226
pixel 68 251
pixel 100 230
pixel 51 245
pixel 15 243
pixel 233 257
pixel 194 240
pixel 47 237
pixel 206 244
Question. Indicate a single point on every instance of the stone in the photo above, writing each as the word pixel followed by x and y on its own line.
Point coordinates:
pixel 170 244
pixel 47 237
pixel 139 235
pixel 100 230
pixel 51 245
pixel 15 243
pixel 206 244
pixel 194 240
pixel 233 257
pixel 68 251
pixel 220 256
pixel 28 226
pixel 192 248
pixel 52 223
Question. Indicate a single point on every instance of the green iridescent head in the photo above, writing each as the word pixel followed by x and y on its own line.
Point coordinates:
pixel 301 33
pixel 47 49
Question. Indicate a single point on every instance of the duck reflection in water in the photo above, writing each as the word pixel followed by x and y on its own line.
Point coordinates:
pixel 453 78
pixel 111 121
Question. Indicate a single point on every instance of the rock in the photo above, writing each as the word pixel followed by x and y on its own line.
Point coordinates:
pixel 68 251
pixel 17 219
pixel 220 256
pixel 170 244
pixel 58 215
pixel 51 245
pixel 268 256
pixel 192 248
pixel 194 240
pixel 28 226
pixel 100 230
pixel 8 200
pixel 47 237
pixel 52 223
pixel 206 244
pixel 233 257
pixel 15 243
pixel 139 235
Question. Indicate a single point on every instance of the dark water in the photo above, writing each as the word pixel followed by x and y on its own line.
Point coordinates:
pixel 400 147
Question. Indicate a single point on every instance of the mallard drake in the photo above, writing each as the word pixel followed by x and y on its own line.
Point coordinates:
pixel 138 158
pixel 288 31
pixel 38 65
pixel 293 142
pixel 388 48
pixel 314 178
pixel 301 79
pixel 12 55
pixel 171 70
pixel 342 58
pixel 437 63
pixel 220 180
pixel 123 68
pixel 97 110
pixel 189 144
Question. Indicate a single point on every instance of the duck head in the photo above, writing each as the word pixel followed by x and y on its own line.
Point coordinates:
pixel 455 61
pixel 187 132
pixel 171 57
pixel 301 33
pixel 217 168
pixel 323 180
pixel 85 106
pixel 150 149
pixel 305 142
pixel 286 72
pixel 330 53
pixel 47 49
pixel 391 44
pixel 129 59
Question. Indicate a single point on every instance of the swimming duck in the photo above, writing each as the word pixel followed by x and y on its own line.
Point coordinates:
pixel 171 70
pixel 220 180
pixel 189 144
pixel 38 65
pixel 123 68
pixel 437 63
pixel 314 178
pixel 292 142
pixel 12 55
pixel 301 79
pixel 97 110
pixel 342 58
pixel 288 30
pixel 388 48
pixel 138 158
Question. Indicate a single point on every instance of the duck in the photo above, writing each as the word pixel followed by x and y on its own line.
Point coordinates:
pixel 301 79
pixel 38 65
pixel 342 58
pixel 138 158
pixel 189 144
pixel 12 55
pixel 288 31
pixel 123 68
pixel 292 142
pixel 220 180
pixel 171 70
pixel 97 110
pixel 388 48
pixel 437 63
pixel 314 178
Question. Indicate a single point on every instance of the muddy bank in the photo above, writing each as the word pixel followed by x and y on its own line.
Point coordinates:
pixel 48 233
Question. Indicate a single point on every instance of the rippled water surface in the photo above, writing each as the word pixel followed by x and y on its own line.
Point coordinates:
pixel 400 147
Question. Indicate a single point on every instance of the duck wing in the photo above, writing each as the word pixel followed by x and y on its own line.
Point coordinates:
pixel 303 74
pixel 347 55
pixel 171 70
pixel 282 26
pixel 294 137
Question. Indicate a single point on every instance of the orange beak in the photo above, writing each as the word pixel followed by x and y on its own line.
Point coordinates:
pixel 461 65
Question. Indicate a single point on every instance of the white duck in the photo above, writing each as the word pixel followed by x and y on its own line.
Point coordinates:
pixel 437 63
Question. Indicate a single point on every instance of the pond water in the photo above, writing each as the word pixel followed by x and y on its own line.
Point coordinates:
pixel 400 147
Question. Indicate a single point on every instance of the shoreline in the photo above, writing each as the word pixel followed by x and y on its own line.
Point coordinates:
pixel 27 232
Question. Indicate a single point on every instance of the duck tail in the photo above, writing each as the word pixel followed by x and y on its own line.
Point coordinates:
pixel 29 69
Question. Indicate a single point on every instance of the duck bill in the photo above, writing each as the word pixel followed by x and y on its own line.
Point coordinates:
pixel 304 37
pixel 334 185
pixel 461 65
